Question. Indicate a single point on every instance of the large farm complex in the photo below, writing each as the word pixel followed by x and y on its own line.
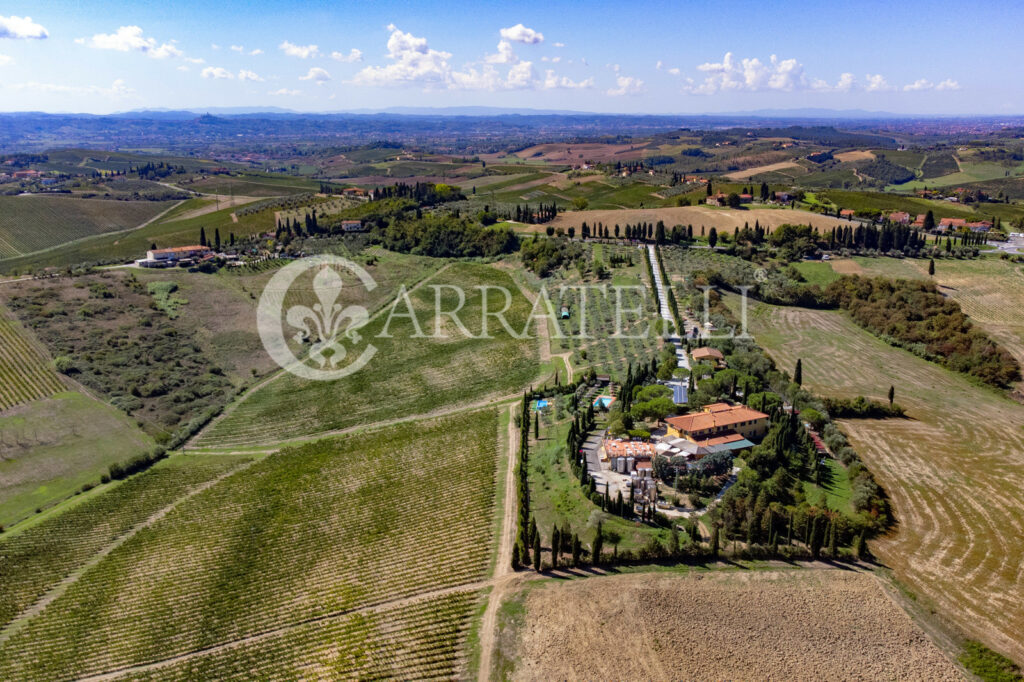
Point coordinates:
pixel 503 394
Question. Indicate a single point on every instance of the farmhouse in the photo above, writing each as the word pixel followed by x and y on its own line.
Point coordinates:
pixel 719 424
pixel 157 258
pixel 705 354
pixel 847 213
pixel 746 198
pixel 919 220
pixel 352 226
pixel 980 226
pixel 953 223
pixel 900 217
pixel 716 200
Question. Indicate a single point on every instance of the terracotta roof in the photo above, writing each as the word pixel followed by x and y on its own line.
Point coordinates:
pixel 701 353
pixel 719 440
pixel 629 448
pixel 715 416
pixel 953 222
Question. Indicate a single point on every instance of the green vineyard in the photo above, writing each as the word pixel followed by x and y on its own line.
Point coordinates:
pixel 305 534
pixel 34 223
pixel 36 559
pixel 25 373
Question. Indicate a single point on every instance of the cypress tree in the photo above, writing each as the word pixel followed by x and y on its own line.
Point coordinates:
pixel 576 550
pixel 833 541
pixel 536 553
pixel 714 541
pixel 931 266
pixel 555 546
pixel 202 236
pixel 515 557
pixel 536 425
pixel 595 549
pixel 798 373
pixel 892 394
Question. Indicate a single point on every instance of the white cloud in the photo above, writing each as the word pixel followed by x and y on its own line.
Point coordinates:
pixel 21 28
pixel 353 55
pixel 128 39
pixel 521 34
pixel 245 75
pixel 195 60
pixel 237 48
pixel 846 83
pixel 559 44
pixel 626 85
pixel 919 84
pixel 214 46
pixel 5 60
pixel 659 65
pixel 877 83
pixel 948 84
pixel 505 54
pixel 520 76
pixel 674 71
pixel 751 74
pixel 412 61
pixel 183 68
pixel 117 89
pixel 255 52
pixel 217 73
pixel 317 75
pixel 300 51
pixel 551 82
pixel 285 92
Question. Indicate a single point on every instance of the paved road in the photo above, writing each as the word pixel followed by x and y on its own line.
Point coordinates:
pixel 1013 245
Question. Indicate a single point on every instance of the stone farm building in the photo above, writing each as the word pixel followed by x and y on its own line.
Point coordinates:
pixel 156 258
pixel 719 421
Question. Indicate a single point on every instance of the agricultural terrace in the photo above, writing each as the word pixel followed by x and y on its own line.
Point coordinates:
pixel 726 624
pixel 34 223
pixel 721 218
pixel 51 448
pixel 34 559
pixel 25 371
pixel 954 468
pixel 295 544
pixel 407 376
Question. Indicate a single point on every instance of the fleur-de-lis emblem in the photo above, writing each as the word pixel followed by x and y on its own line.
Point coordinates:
pixel 323 323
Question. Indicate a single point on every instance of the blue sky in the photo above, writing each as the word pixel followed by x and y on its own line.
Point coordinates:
pixel 677 57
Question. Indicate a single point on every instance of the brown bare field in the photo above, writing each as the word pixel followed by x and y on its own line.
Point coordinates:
pixel 862 155
pixel 721 218
pixel 750 172
pixel 954 468
pixel 217 202
pixel 790 624
pixel 575 153
pixel 847 266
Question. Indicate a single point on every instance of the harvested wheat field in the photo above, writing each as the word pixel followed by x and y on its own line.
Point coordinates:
pixel 954 468
pixel 720 218
pixel 577 153
pixel 855 156
pixel 757 170
pixel 788 624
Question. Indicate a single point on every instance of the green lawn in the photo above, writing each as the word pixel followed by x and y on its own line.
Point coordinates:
pixel 835 486
pixel 817 272
pixel 51 447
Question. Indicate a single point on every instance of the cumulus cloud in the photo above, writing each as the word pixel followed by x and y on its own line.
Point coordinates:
pixel 412 61
pixel 21 28
pixel 300 51
pixel 559 44
pixel 353 55
pixel 255 52
pixel 129 39
pixel 245 75
pixel 948 84
pixel 521 34
pixel 237 48
pixel 922 84
pixel 846 83
pixel 751 74
pixel 626 85
pixel 552 82
pixel 117 88
pixel 877 83
pixel 217 73
pixel 195 60
pixel 505 54
pixel 317 75
pixel 285 92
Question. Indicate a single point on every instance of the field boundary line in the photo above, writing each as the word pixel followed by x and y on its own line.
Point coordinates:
pixel 384 605
pixel 229 409
pixel 60 588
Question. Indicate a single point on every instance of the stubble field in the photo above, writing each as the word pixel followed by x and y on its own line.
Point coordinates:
pixel 742 625
pixel 954 468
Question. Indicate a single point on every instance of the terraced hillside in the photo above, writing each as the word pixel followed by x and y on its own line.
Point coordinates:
pixel 25 372
pixel 954 468
pixel 407 376
pixel 366 550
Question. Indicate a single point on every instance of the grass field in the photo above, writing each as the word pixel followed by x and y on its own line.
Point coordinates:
pixel 252 185
pixel 300 543
pixel 52 447
pixel 817 272
pixel 954 469
pixel 407 376
pixel 34 223
pixel 721 218
pixel 25 371
pixel 723 624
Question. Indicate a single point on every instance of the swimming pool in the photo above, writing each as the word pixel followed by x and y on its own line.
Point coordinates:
pixel 541 404
pixel 604 401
